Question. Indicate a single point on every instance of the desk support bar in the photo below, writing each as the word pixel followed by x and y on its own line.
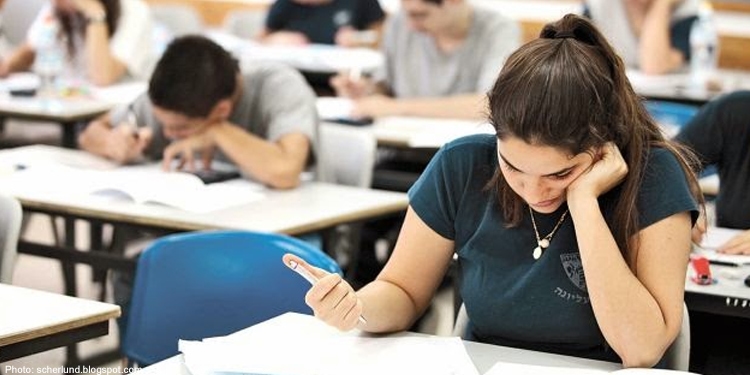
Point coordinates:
pixel 98 259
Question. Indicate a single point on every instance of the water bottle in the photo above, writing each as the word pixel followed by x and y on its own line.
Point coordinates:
pixel 49 59
pixel 704 43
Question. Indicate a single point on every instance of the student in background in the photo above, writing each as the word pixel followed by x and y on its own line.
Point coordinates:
pixel 441 56
pixel 262 120
pixel 650 35
pixel 720 135
pixel 5 45
pixel 347 23
pixel 105 40
pixel 571 225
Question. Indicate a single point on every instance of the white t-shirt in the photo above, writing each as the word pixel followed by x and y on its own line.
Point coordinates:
pixel 611 18
pixel 415 67
pixel 130 43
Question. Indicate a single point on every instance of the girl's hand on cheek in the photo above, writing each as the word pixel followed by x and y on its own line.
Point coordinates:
pixel 607 170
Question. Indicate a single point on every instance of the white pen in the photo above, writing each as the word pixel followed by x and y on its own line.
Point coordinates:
pixel 132 121
pixel 312 280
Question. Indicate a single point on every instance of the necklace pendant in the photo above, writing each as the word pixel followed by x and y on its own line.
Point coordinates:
pixel 537 252
pixel 544 243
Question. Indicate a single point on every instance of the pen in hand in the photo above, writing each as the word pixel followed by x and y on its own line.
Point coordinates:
pixel 312 280
pixel 132 121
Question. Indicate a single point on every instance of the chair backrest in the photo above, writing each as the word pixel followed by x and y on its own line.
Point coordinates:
pixel 202 284
pixel 346 155
pixel 10 227
pixel 178 19
pixel 246 23
pixel 17 17
pixel 671 116
pixel 677 356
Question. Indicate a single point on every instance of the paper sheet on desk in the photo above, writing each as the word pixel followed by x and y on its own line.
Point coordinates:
pixel 714 238
pixel 296 344
pixel 503 368
pixel 330 108
pixel 427 132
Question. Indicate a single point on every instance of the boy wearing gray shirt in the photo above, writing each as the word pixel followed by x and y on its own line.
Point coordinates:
pixel 198 103
pixel 441 56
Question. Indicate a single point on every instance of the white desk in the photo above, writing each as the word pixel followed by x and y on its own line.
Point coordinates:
pixel 728 296
pixel 402 131
pixel 677 86
pixel 65 111
pixel 313 58
pixel 32 321
pixel 312 206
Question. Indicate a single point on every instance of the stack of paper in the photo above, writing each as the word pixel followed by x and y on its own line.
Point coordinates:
pixel 296 344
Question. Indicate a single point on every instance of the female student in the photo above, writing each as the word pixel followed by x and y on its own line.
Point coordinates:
pixel 651 35
pixel 101 41
pixel 571 226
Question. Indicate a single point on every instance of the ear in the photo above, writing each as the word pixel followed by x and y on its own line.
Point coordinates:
pixel 222 110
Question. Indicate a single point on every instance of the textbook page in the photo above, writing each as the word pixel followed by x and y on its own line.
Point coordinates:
pixel 297 344
pixel 505 368
pixel 148 184
pixel 714 238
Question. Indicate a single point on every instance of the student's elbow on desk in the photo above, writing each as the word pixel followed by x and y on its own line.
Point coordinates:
pixel 641 358
pixel 281 176
pixel 644 353
pixel 283 181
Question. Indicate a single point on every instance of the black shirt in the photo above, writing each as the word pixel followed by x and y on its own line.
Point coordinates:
pixel 321 21
pixel 720 135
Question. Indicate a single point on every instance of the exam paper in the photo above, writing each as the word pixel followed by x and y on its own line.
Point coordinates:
pixel 714 238
pixel 504 368
pixel 296 344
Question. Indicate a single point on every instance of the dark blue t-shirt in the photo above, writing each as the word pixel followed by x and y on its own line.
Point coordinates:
pixel 512 299
pixel 321 22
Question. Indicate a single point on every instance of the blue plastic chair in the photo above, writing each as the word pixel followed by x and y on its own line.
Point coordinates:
pixel 671 116
pixel 203 284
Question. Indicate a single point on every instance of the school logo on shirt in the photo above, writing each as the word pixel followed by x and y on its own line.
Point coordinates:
pixel 571 263
pixel 342 18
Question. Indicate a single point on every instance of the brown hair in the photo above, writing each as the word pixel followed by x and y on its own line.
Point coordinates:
pixel 568 90
pixel 70 21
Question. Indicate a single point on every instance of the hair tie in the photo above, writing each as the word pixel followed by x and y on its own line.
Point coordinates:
pixel 565 34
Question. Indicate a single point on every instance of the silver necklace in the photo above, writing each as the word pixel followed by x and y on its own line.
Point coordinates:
pixel 543 243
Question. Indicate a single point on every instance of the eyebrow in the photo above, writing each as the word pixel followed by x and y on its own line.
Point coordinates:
pixel 564 170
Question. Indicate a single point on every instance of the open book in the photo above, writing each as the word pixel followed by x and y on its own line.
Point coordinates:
pixel 186 191
pixel 714 238
pixel 505 368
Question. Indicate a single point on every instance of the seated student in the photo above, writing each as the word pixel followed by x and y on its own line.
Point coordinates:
pixel 5 45
pixel 262 120
pixel 339 22
pixel 650 35
pixel 571 225
pixel 102 41
pixel 441 56
pixel 720 135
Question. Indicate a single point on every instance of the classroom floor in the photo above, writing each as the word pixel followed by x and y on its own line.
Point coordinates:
pixel 45 274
